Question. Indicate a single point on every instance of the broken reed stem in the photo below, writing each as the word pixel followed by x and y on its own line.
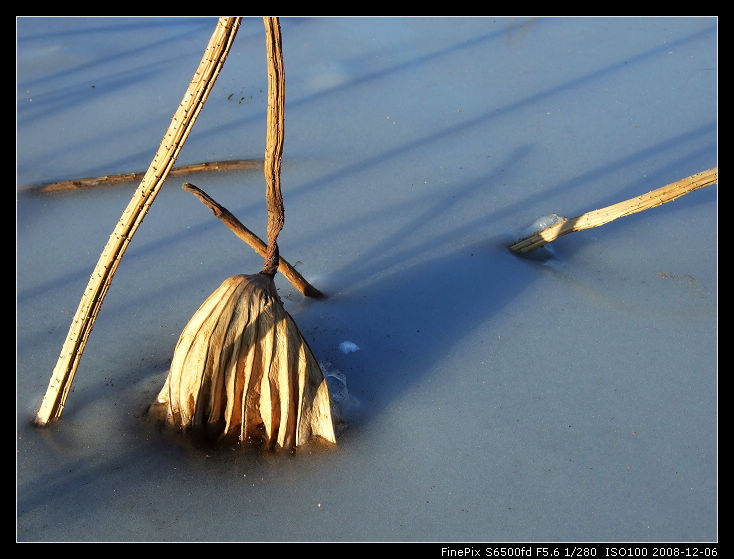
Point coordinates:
pixel 604 215
pixel 99 282
pixel 120 178
pixel 298 281
pixel 274 140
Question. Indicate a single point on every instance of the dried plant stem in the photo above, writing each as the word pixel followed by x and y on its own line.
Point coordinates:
pixel 99 282
pixel 604 215
pixel 120 178
pixel 274 140
pixel 298 281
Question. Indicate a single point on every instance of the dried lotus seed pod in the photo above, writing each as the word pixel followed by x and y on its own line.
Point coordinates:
pixel 241 369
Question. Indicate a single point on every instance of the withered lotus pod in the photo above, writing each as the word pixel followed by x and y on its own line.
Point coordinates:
pixel 242 370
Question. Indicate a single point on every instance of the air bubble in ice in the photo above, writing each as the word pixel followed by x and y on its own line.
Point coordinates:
pixel 348 347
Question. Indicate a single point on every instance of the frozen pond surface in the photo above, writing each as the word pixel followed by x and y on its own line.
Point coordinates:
pixel 490 397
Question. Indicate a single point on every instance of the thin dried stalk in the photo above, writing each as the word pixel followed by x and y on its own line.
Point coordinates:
pixel 101 278
pixel 120 178
pixel 604 215
pixel 298 281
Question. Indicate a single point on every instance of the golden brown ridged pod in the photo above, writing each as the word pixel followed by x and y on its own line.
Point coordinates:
pixel 241 369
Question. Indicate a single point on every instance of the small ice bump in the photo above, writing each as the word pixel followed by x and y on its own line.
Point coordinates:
pixel 341 399
pixel 337 383
pixel 348 347
pixel 543 222
pixel 544 252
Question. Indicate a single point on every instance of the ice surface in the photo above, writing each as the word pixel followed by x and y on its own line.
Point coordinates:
pixel 500 399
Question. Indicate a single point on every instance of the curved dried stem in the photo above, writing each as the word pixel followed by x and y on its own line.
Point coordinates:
pixel 274 140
